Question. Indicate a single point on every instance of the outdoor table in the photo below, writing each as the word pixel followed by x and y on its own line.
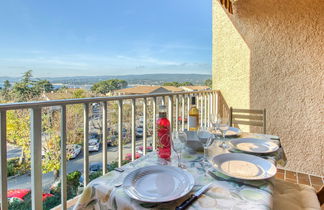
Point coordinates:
pixel 225 193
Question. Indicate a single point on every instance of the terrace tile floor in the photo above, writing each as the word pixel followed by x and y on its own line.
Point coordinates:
pixel 300 178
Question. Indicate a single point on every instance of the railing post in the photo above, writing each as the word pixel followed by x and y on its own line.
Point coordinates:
pixel 201 110
pixel 170 103
pixel 177 112
pixel 86 144
pixel 188 110
pixel 63 158
pixel 208 108
pixel 104 138
pixel 217 103
pixel 120 132
pixel 36 158
pixel 154 123
pixel 144 126
pixel 133 129
pixel 3 160
pixel 183 112
pixel 205 113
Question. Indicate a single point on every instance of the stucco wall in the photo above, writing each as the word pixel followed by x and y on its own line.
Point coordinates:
pixel 270 54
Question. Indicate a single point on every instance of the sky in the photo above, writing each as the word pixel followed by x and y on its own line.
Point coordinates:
pixel 104 37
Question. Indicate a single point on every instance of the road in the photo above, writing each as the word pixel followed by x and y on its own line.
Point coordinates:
pixel 24 181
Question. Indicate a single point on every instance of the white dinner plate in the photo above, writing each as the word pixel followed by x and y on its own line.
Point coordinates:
pixel 244 166
pixel 155 184
pixel 254 145
pixel 231 132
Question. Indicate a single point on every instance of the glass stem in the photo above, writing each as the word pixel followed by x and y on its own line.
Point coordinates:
pixel 179 159
pixel 205 153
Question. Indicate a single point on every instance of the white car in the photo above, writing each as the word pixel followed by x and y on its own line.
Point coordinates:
pixel 73 150
pixel 94 145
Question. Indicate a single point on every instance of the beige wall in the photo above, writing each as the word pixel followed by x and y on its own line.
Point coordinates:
pixel 270 54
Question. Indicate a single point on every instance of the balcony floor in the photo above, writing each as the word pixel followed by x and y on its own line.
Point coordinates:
pixel 300 178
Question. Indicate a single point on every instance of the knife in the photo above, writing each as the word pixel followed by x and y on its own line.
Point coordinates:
pixel 193 197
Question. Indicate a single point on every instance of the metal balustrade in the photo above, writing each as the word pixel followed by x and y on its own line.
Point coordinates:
pixel 178 105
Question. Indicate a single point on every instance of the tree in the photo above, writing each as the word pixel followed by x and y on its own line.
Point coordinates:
pixel 44 86
pixel 5 92
pixel 106 86
pixel 177 84
pixel 27 89
pixel 186 84
pixel 18 128
pixel 209 83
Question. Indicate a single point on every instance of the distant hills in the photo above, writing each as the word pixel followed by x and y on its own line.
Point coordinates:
pixel 143 79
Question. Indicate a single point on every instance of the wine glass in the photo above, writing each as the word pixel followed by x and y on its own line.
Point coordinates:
pixel 206 139
pixel 223 126
pixel 179 140
pixel 214 121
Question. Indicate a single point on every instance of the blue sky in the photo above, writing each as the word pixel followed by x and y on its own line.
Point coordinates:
pixel 104 37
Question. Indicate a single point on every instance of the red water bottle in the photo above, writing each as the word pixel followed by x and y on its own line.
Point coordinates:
pixel 163 135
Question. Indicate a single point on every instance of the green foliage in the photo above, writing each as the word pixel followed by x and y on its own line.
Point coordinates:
pixel 18 132
pixel 106 86
pixel 43 86
pixel 209 83
pixel 72 185
pixel 5 92
pixel 48 204
pixel 79 93
pixel 177 84
pixel 14 167
pixel 27 89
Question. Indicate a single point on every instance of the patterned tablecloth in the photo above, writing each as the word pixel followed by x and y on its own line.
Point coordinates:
pixel 225 193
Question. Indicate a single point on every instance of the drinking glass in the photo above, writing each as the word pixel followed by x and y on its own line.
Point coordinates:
pixel 214 121
pixel 206 139
pixel 179 140
pixel 223 126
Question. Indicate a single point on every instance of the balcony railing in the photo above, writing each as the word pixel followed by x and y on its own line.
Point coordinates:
pixel 178 105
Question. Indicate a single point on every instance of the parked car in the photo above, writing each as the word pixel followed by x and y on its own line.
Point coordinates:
pixel 139 149
pixel 139 131
pixel 73 150
pixel 128 156
pixel 94 136
pixel 20 194
pixel 94 145
pixel 96 166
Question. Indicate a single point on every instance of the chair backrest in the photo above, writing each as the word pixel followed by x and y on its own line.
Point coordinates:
pixel 252 117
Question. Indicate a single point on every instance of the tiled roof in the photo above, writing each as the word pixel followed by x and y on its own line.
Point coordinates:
pixel 142 90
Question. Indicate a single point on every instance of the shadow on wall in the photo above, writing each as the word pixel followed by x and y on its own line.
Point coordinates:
pixel 282 71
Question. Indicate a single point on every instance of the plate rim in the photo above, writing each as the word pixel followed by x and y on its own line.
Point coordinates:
pixel 255 152
pixel 190 184
pixel 243 154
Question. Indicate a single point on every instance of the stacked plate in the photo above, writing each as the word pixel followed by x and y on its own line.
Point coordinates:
pixel 247 166
pixel 244 166
pixel 155 184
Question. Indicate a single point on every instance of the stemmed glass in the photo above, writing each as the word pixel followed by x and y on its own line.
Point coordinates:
pixel 179 140
pixel 206 139
pixel 223 126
